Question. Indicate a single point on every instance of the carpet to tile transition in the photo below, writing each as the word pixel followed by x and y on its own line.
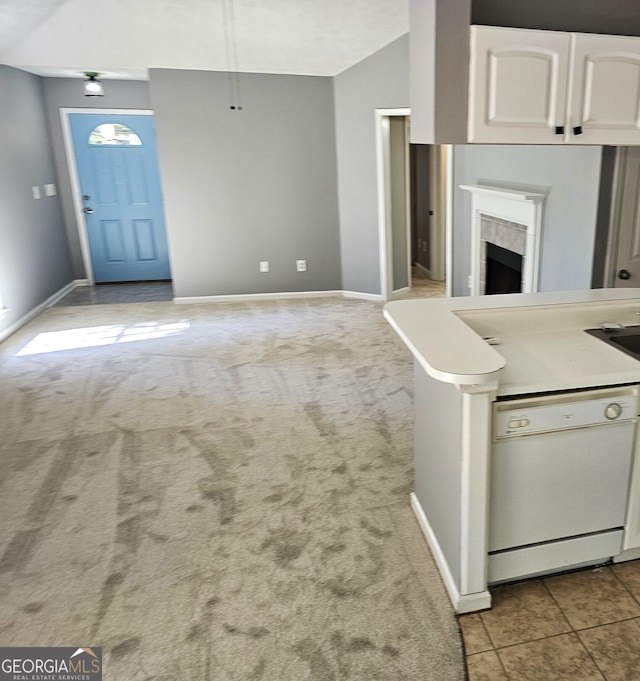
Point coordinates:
pixel 218 492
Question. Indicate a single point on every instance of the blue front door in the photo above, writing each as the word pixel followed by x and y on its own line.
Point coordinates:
pixel 119 179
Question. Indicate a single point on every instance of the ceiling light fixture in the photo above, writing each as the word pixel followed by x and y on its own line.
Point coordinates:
pixel 92 85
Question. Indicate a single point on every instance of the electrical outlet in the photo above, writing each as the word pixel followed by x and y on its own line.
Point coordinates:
pixel 264 265
pixel 36 192
pixel 301 265
pixel 469 283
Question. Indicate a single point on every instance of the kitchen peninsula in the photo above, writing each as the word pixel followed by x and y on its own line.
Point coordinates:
pixel 502 497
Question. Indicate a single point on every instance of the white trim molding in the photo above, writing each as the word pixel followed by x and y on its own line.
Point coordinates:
pixel 629 554
pixel 49 302
pixel 373 297
pixel 632 522
pixel 520 207
pixel 383 174
pixel 474 492
pixel 447 159
pixel 249 297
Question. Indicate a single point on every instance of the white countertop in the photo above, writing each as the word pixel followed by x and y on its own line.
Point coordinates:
pixel 541 346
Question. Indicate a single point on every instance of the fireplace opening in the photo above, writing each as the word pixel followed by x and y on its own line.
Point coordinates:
pixel 503 272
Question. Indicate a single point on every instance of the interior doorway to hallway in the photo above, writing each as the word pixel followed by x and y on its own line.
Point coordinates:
pixel 413 207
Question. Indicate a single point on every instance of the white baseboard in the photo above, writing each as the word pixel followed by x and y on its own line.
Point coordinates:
pixel 59 295
pixel 50 301
pixel 629 554
pixel 400 291
pixel 461 602
pixel 249 297
pixel 374 297
pixel 254 297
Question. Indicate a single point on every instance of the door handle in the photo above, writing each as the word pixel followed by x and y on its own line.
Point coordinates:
pixel 87 210
pixel 624 274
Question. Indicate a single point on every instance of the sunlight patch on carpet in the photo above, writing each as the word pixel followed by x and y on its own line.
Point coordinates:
pixel 94 336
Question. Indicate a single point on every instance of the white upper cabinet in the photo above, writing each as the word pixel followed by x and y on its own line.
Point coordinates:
pixel 517 85
pixel 549 87
pixel 604 99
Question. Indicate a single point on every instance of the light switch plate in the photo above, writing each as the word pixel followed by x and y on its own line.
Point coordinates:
pixel 50 190
pixel 36 192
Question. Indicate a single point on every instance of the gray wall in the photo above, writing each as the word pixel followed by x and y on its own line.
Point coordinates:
pixel 439 70
pixel 379 82
pixel 571 177
pixel 583 16
pixel 34 254
pixel 68 93
pixel 245 186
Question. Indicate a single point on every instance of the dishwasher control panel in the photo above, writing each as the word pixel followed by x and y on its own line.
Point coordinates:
pixel 548 413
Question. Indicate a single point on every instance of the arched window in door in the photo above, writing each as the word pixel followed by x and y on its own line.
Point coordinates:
pixel 114 134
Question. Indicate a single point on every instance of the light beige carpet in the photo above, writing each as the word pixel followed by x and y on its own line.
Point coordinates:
pixel 218 492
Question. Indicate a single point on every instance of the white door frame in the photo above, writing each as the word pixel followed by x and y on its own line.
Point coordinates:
pixel 445 200
pixel 441 230
pixel 74 177
pixel 383 172
pixel 613 236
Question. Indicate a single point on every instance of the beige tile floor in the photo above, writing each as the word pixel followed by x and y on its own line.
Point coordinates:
pixel 580 626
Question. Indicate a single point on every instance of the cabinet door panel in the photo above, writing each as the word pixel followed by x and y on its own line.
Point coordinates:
pixel 605 90
pixel 518 84
pixel 531 107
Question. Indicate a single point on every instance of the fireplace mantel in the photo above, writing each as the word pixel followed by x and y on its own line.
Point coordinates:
pixel 522 209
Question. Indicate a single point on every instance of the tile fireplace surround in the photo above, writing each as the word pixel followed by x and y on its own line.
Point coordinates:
pixel 510 219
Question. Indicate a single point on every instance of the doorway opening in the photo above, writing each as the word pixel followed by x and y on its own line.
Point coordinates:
pixel 414 209
pixel 616 254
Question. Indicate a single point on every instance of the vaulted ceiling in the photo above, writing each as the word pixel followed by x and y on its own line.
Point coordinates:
pixel 124 38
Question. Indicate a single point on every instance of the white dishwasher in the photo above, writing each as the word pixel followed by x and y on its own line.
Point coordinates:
pixel 560 472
